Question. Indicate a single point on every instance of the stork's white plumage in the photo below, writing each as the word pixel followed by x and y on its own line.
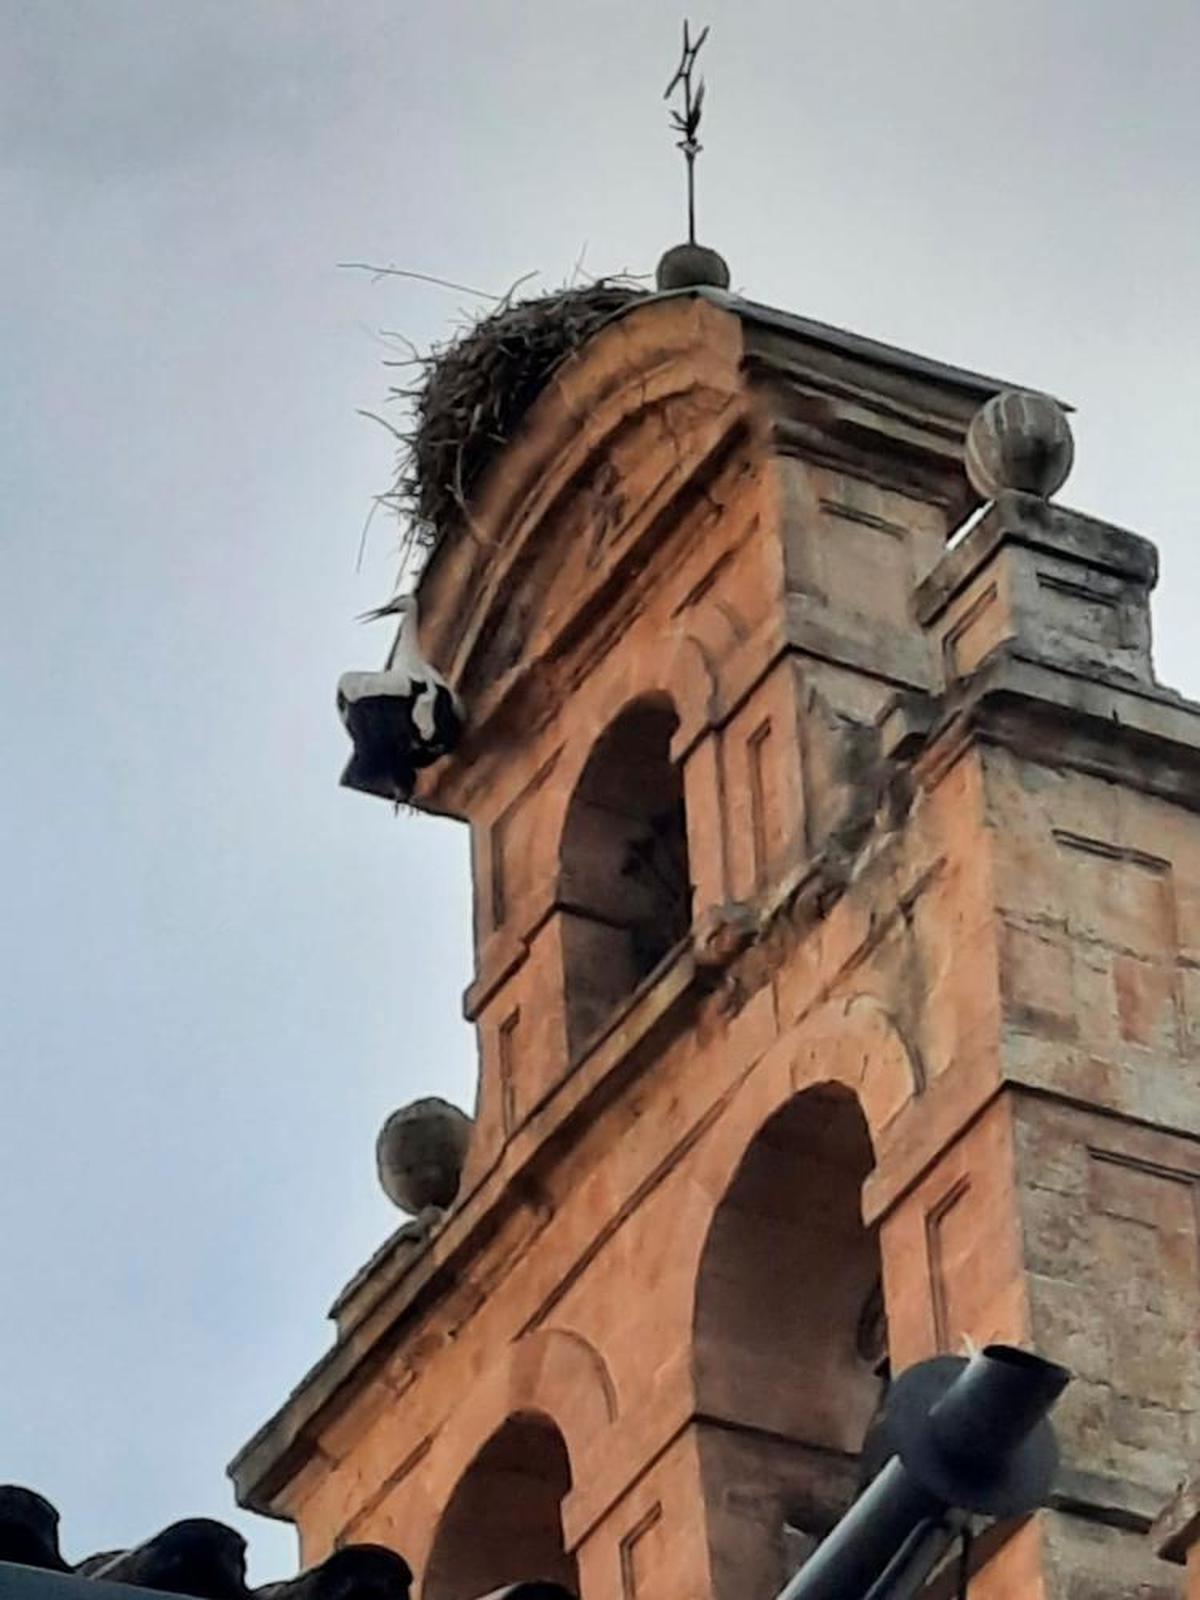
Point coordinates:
pixel 401 718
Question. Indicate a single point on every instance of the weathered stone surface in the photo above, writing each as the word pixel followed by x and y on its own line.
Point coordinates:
pixel 1019 440
pixel 420 1154
pixel 692 266
pixel 1059 586
pixel 935 1005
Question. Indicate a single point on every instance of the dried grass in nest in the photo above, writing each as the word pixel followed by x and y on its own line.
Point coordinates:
pixel 470 396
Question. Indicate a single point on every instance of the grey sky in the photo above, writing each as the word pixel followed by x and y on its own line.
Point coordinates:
pixel 218 972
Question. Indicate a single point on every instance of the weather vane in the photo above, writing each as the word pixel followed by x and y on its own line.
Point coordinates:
pixel 687 121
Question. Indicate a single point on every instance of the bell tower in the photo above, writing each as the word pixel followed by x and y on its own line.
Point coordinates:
pixel 837 932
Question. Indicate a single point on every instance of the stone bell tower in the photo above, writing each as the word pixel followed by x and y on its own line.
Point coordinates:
pixel 837 930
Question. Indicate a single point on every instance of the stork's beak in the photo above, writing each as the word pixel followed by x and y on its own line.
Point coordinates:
pixel 389 609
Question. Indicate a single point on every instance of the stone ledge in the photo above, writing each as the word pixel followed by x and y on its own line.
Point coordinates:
pixel 891 654
pixel 1096 1497
pixel 973 387
pixel 1142 735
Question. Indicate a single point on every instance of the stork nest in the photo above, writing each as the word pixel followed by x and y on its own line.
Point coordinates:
pixel 470 395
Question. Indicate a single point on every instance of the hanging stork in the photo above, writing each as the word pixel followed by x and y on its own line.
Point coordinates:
pixel 400 719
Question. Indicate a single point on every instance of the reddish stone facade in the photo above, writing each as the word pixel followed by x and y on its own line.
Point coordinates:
pixel 837 919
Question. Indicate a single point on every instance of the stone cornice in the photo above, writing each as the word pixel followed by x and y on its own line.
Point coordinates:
pixel 1039 525
pixel 1144 736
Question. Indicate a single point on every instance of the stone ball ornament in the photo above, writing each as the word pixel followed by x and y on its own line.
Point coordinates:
pixel 1019 440
pixel 692 266
pixel 420 1153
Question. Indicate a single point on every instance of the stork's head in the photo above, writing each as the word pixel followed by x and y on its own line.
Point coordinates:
pixel 401 606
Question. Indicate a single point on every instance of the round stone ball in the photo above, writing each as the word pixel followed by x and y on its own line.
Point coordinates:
pixel 692 266
pixel 1021 441
pixel 420 1153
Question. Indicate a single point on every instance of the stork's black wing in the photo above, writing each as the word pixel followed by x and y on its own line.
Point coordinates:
pixel 384 739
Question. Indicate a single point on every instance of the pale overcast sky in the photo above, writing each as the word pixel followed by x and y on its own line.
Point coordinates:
pixel 219 971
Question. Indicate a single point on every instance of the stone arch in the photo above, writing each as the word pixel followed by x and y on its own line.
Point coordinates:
pixel 789 1342
pixel 852 1041
pixel 785 1276
pixel 856 1041
pixel 548 1397
pixel 624 878
pixel 553 1372
pixel 503 1522
pixel 658 354
pixel 680 671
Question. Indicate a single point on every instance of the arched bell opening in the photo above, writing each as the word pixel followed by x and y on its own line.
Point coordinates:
pixel 503 1523
pixel 625 892
pixel 790 1342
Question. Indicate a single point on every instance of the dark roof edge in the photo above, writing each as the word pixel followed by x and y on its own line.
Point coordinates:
pixel 837 339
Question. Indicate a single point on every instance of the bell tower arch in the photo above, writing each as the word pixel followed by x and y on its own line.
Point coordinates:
pixel 624 889
pixel 837 875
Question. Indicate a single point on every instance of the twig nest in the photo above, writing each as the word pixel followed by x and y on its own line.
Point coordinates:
pixel 692 266
pixel 469 397
pixel 420 1153
pixel 1021 441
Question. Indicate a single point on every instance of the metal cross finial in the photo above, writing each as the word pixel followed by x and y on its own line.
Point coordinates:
pixel 687 121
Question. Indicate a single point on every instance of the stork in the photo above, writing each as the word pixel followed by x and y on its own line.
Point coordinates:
pixel 400 719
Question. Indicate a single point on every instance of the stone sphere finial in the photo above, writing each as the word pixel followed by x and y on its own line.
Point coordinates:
pixel 420 1153
pixel 1019 440
pixel 692 266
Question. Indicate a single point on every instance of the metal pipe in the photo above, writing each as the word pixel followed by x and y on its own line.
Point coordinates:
pixel 999 1398
pixel 966 1436
pixel 905 1575
pixel 847 1563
